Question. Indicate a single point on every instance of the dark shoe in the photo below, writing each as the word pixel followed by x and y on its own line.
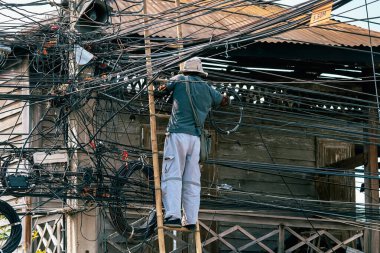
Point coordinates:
pixel 191 227
pixel 174 223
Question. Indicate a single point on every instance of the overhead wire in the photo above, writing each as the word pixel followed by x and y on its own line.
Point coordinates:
pixel 99 85
pixel 373 64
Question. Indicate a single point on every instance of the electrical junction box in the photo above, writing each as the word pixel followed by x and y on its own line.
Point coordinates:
pixel 17 182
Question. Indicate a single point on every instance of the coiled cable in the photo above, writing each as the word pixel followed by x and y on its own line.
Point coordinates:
pixel 134 187
pixel 13 239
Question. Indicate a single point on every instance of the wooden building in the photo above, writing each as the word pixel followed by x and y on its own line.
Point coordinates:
pixel 309 103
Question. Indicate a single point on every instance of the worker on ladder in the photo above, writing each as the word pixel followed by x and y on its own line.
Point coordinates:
pixel 180 179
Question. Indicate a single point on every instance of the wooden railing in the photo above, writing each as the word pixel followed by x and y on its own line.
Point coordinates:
pixel 232 231
pixel 47 234
pixel 291 234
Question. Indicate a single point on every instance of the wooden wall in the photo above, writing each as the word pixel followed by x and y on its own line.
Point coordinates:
pixel 261 144
pixel 254 144
pixel 14 119
pixel 270 147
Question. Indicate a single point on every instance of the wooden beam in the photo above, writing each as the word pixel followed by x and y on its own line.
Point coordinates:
pixel 256 218
pixel 372 197
pixel 281 239
pixel 304 54
pixel 349 163
pixel 371 236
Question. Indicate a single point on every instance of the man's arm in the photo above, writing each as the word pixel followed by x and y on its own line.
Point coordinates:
pixel 219 99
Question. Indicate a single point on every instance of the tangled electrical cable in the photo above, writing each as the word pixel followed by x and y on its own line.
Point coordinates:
pixel 137 220
pixel 79 111
pixel 10 239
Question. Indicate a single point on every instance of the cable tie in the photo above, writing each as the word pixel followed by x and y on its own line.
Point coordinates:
pixel 133 231
pixel 14 224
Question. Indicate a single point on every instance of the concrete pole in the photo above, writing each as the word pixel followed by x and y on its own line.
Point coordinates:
pixel 26 119
pixel 72 219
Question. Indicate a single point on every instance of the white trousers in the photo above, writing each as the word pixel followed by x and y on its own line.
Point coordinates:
pixel 180 181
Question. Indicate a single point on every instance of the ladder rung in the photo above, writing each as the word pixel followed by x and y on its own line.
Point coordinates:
pixel 162 116
pixel 160 80
pixel 181 229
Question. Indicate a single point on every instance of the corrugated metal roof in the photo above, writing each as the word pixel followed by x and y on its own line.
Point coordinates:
pixel 215 19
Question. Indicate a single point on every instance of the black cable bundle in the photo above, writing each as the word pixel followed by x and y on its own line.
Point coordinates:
pixel 127 225
pixel 14 238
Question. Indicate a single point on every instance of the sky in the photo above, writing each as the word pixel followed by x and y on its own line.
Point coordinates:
pixel 360 197
pixel 353 10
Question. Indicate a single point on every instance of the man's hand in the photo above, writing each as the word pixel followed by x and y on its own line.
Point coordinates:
pixel 162 87
pixel 225 100
pixel 161 91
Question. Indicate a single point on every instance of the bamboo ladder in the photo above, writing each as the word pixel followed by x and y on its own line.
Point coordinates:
pixel 153 134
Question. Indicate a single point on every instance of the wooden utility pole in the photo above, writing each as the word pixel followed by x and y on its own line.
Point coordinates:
pixel 371 236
